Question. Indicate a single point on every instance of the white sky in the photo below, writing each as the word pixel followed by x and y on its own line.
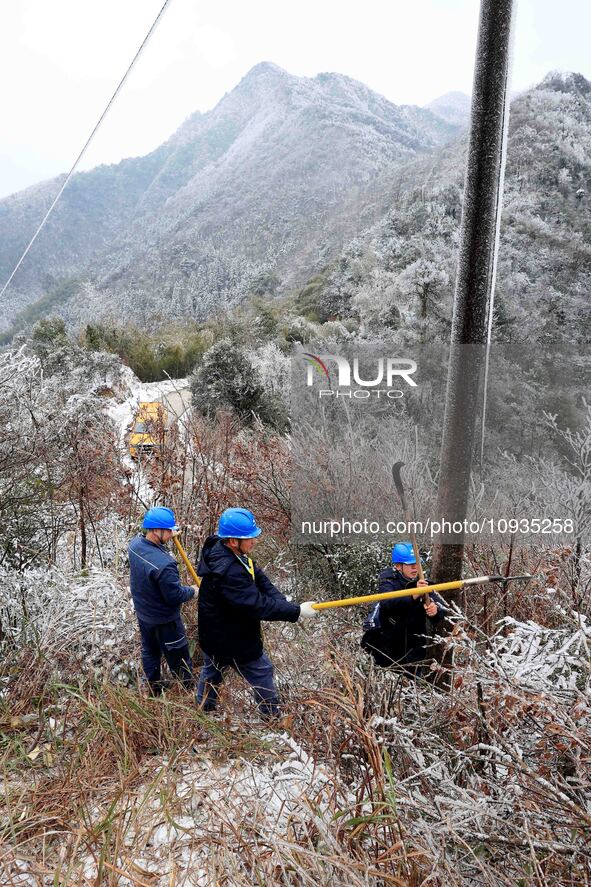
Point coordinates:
pixel 60 61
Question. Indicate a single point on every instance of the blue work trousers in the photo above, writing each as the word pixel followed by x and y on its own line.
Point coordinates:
pixel 258 673
pixel 169 641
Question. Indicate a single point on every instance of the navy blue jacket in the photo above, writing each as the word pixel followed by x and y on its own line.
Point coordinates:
pixel 396 629
pixel 232 604
pixel 155 582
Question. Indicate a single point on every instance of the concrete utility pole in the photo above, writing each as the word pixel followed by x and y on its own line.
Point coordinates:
pixel 474 294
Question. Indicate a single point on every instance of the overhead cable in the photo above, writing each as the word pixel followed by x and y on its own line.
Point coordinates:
pixel 87 143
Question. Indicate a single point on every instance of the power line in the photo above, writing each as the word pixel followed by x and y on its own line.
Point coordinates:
pixel 87 143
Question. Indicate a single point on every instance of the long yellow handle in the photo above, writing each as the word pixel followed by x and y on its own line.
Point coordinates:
pixel 187 562
pixel 388 595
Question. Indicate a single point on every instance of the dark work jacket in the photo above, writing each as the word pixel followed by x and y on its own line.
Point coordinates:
pixel 232 605
pixel 155 582
pixel 395 630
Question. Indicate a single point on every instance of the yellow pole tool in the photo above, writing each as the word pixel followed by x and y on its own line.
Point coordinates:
pixel 186 561
pixel 414 592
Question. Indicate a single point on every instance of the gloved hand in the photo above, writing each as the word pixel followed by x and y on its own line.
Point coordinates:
pixel 307 611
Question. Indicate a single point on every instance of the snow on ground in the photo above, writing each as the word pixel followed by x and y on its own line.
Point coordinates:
pixel 184 805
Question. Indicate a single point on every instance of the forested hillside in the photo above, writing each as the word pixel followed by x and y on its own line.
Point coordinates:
pixel 250 196
pixel 400 273
pixel 262 195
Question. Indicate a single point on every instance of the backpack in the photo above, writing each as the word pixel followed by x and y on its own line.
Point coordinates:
pixel 373 640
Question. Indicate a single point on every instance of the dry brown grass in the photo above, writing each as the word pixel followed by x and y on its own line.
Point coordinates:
pixel 373 779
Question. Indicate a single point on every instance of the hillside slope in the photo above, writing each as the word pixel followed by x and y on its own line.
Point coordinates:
pixel 252 194
pixel 400 272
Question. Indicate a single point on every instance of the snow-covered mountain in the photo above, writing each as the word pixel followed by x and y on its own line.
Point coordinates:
pixel 252 194
pixel 453 107
pixel 401 271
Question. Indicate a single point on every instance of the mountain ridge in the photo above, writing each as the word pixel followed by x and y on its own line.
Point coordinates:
pixel 279 160
pixel 269 185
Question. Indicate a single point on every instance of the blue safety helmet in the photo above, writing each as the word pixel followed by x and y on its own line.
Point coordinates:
pixel 160 519
pixel 403 553
pixel 238 523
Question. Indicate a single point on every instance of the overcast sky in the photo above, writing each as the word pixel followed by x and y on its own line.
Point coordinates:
pixel 60 61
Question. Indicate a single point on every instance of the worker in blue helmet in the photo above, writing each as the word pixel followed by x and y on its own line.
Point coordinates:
pixel 396 631
pixel 157 596
pixel 235 597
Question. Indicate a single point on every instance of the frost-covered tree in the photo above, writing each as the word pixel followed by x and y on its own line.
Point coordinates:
pixel 60 468
pixel 298 329
pixel 227 380
pixel 423 280
pixel 375 302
